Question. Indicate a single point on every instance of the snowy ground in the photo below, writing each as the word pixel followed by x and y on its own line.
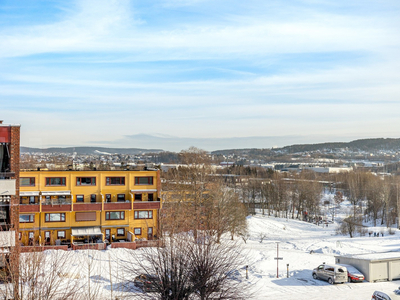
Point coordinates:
pixel 296 240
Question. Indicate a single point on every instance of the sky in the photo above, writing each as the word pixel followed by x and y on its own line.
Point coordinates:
pixel 211 74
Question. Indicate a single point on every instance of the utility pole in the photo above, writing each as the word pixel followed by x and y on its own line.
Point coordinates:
pixel 398 206
pixel 277 259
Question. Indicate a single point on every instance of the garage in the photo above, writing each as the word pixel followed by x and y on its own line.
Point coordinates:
pixel 375 266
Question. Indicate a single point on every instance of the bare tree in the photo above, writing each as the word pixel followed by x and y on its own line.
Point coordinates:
pixel 197 200
pixel 44 276
pixel 190 268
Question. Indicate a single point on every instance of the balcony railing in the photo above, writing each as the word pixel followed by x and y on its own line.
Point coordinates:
pixel 57 202
pixel 7 187
pixel 7 174
pixel 84 206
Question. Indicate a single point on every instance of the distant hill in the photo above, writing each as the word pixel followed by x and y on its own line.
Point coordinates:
pixel 362 145
pixel 91 150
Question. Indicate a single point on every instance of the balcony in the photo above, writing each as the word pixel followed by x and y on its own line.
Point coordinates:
pixel 57 202
pixel 31 207
pixel 7 174
pixel 117 205
pixel 87 206
pixel 7 239
pixel 146 205
pixel 7 187
pixel 56 205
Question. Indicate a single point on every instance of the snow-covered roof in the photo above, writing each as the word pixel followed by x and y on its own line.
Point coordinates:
pixel 376 256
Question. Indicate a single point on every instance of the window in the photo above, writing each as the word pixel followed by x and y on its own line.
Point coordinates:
pixel 58 217
pixel 121 198
pixel 61 234
pixel 120 232
pixel 108 197
pixel 79 198
pixel 85 180
pixel 115 215
pixel 144 180
pixel 92 198
pixel 115 180
pixel 108 234
pixel 138 231
pixel 19 235
pixel 55 181
pixel 138 197
pixel 143 214
pixel 31 235
pixel 27 181
pixel 27 218
pixel 150 197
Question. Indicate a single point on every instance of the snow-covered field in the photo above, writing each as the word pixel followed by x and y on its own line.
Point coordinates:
pixel 296 240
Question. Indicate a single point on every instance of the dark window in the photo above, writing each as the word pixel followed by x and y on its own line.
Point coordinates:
pixel 120 232
pixel 138 231
pixel 143 214
pixel 27 181
pixel 26 218
pixel 150 197
pixel 85 180
pixel 115 180
pixel 58 217
pixel 138 197
pixel 92 198
pixel 144 180
pixel 55 181
pixel 121 198
pixel 115 215
pixel 79 198
pixel 61 234
pixel 108 197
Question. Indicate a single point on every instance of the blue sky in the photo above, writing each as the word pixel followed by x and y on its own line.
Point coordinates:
pixel 213 74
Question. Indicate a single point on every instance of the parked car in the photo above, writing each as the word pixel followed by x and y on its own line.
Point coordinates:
pixel 377 295
pixel 331 273
pixel 353 275
pixel 148 283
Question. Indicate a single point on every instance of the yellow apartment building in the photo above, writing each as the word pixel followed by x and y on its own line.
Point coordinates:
pixel 83 207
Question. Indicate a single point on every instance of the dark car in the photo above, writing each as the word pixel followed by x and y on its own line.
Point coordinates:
pixel 353 275
pixel 148 283
pixel 377 295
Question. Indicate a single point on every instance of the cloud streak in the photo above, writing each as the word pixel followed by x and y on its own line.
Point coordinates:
pixel 201 69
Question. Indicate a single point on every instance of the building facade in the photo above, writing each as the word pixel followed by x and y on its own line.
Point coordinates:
pixel 9 196
pixel 80 207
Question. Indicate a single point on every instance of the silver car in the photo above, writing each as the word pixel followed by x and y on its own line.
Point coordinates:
pixel 331 273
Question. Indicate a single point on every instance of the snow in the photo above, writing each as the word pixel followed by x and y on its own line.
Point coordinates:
pixel 303 246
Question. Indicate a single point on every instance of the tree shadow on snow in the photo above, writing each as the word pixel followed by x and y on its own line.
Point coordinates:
pixel 300 278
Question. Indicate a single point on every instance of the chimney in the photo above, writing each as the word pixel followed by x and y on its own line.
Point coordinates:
pixel 1 121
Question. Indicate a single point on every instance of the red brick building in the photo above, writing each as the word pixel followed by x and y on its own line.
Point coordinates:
pixel 9 196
